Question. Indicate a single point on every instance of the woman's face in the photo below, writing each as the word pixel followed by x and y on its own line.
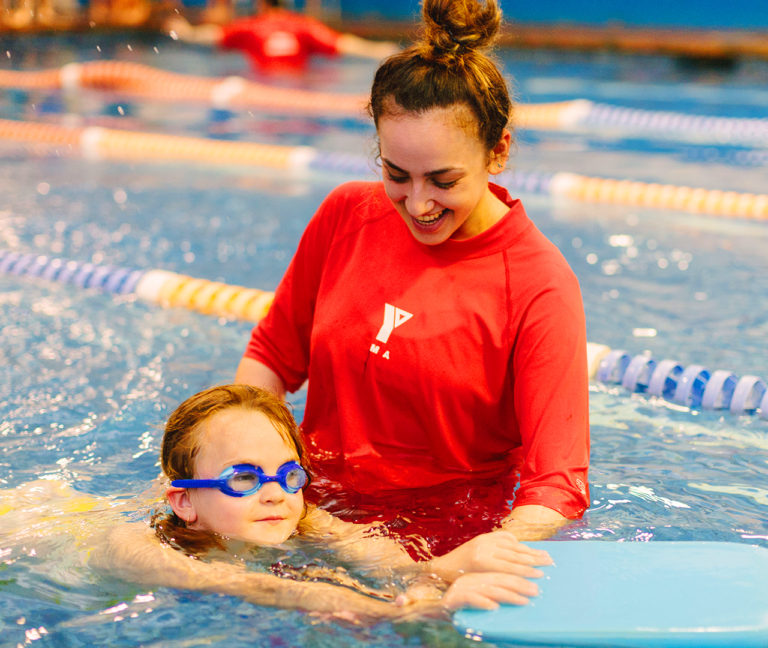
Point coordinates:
pixel 435 171
pixel 240 436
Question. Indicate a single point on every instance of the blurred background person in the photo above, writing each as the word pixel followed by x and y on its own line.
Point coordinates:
pixel 277 38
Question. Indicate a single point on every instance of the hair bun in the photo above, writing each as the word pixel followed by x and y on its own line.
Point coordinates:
pixel 453 27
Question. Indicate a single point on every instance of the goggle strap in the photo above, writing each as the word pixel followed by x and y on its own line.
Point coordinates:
pixel 196 483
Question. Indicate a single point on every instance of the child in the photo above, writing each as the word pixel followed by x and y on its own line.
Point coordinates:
pixel 237 470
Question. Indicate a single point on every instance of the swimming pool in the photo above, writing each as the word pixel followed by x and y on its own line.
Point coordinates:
pixel 88 377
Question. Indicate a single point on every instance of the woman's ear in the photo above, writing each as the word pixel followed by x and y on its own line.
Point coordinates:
pixel 500 153
pixel 181 504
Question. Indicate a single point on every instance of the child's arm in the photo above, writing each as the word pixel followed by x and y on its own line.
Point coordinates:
pixel 361 544
pixel 497 551
pixel 484 590
pixel 134 553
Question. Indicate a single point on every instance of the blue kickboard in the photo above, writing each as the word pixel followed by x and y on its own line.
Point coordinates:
pixel 637 594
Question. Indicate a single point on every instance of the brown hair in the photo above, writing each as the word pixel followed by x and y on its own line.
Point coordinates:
pixel 447 67
pixel 181 443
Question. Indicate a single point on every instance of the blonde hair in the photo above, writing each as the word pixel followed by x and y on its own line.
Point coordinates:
pixel 446 67
pixel 181 443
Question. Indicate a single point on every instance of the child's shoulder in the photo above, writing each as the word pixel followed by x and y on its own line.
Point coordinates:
pixel 319 522
pixel 316 521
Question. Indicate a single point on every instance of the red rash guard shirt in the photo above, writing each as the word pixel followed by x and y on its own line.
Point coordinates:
pixel 280 38
pixel 439 376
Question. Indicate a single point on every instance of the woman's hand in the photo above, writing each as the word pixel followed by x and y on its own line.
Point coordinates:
pixel 497 551
pixel 486 590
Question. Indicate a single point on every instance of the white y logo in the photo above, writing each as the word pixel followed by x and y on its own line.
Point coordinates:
pixel 393 317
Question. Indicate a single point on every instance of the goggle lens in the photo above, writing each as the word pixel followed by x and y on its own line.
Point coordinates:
pixel 295 479
pixel 244 481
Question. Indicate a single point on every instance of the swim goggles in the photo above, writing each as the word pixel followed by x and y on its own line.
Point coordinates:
pixel 245 479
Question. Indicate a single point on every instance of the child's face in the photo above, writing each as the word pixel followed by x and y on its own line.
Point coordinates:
pixel 240 436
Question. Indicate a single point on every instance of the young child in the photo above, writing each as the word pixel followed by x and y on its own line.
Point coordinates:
pixel 237 470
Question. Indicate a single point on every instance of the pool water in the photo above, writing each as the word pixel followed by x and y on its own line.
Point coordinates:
pixel 87 379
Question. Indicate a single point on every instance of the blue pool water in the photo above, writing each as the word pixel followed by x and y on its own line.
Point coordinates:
pixel 86 379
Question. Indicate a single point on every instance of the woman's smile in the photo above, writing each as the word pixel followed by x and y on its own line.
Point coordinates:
pixel 429 222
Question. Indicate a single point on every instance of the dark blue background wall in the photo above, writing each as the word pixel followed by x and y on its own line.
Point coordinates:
pixel 710 14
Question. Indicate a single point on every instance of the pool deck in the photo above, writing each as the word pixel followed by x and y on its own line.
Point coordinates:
pixel 692 43
pixel 689 43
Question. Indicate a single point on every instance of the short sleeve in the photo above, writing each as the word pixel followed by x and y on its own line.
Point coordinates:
pixel 282 339
pixel 551 395
pixel 324 39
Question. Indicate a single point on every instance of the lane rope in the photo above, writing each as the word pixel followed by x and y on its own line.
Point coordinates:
pixel 694 386
pixel 99 143
pixel 146 82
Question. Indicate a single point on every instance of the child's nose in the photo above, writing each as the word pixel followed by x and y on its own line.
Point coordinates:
pixel 271 492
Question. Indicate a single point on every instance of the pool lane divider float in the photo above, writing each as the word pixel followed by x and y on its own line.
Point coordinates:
pixel 147 82
pixel 97 143
pixel 167 289
pixel 235 92
pixel 695 387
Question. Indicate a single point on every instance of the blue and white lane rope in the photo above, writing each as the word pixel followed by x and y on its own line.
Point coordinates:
pixel 722 130
pixel 161 287
pixel 694 386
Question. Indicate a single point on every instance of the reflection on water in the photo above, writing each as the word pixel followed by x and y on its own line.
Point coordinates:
pixel 87 379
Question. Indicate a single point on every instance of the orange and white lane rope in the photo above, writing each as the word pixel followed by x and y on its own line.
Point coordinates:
pixel 148 82
pixel 104 143
pixel 713 202
pixel 174 290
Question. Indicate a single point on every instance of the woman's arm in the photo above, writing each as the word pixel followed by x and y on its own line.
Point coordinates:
pixel 179 28
pixel 253 372
pixel 533 522
pixel 355 46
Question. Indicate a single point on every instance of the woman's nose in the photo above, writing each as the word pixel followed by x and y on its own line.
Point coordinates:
pixel 418 201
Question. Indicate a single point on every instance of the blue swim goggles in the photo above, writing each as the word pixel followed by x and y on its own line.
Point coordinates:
pixel 245 479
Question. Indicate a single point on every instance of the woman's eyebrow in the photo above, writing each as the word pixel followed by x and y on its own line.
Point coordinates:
pixel 394 167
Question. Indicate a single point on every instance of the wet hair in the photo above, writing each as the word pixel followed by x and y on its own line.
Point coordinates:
pixel 182 440
pixel 448 67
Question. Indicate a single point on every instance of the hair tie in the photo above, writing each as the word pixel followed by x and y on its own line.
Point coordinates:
pixel 453 38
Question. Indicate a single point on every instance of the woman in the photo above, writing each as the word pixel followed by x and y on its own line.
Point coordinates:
pixel 442 334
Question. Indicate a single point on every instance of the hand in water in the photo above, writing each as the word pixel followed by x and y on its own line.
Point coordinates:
pixel 486 590
pixel 497 551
